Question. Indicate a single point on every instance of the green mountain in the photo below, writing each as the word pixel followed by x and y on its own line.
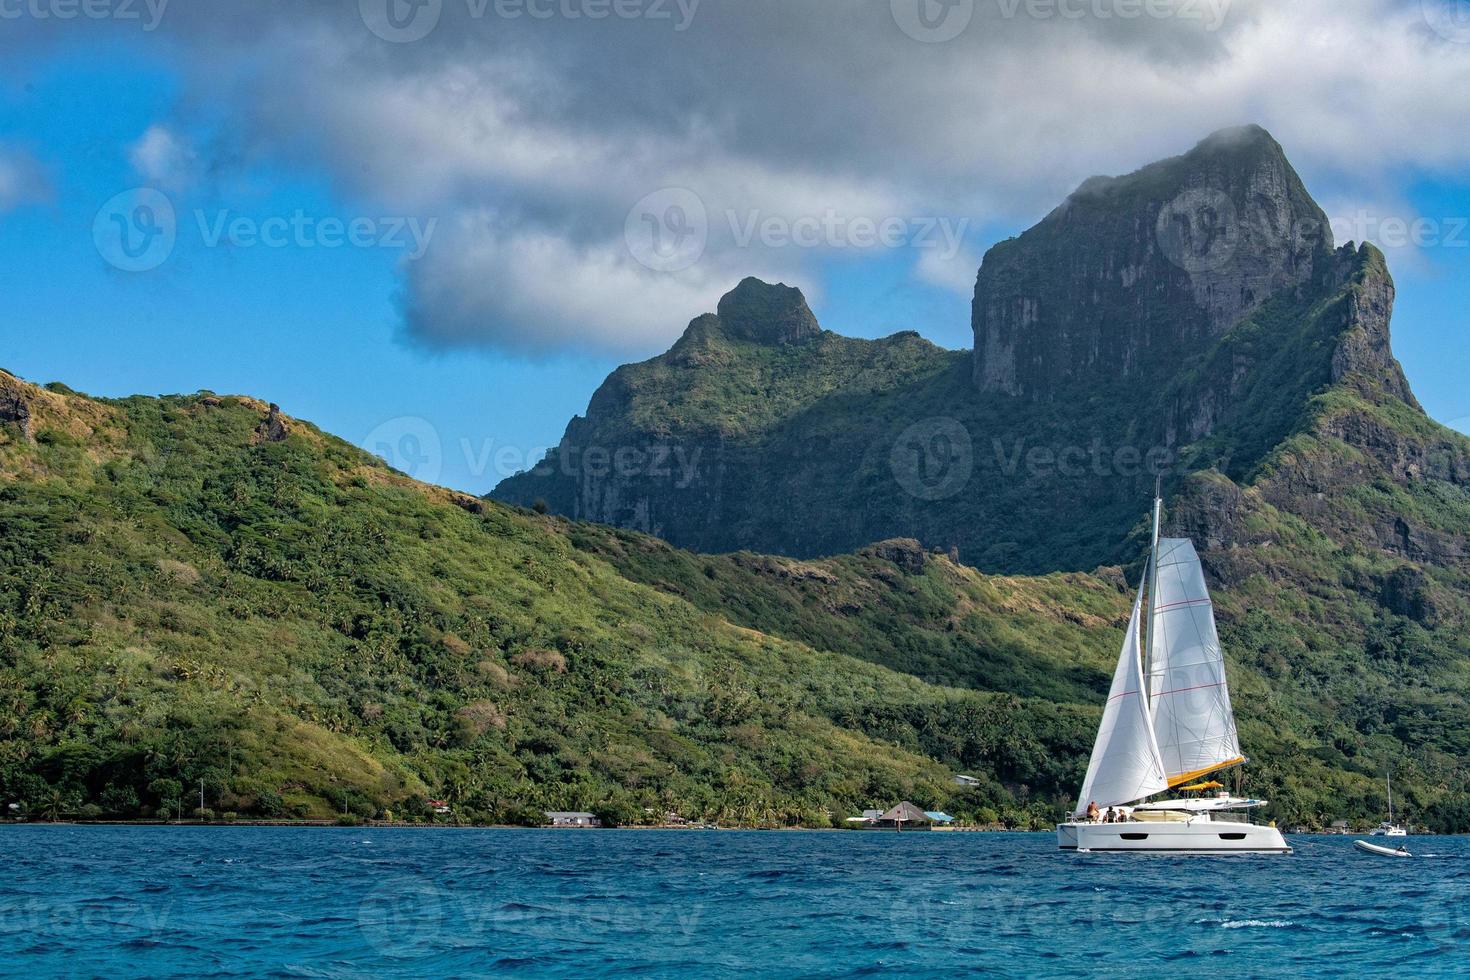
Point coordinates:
pixel 1193 319
pixel 201 588
pixel 1180 319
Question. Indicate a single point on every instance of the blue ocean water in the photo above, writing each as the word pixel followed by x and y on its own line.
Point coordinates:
pixel 179 901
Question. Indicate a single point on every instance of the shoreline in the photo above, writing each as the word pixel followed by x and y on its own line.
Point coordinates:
pixel 404 825
pixel 408 825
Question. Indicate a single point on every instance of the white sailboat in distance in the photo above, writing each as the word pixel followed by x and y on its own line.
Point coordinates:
pixel 1389 828
pixel 1166 726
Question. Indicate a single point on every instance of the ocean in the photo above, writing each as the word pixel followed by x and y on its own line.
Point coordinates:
pixel 327 902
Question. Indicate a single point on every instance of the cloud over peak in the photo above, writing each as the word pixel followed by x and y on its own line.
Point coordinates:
pixel 603 172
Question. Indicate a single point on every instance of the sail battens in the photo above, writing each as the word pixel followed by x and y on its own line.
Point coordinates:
pixel 1186 690
pixel 1186 602
pixel 1125 764
pixel 1170 723
pixel 1194 725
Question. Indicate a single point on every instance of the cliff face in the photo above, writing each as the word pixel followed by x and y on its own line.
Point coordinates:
pixel 1132 275
pixel 1191 319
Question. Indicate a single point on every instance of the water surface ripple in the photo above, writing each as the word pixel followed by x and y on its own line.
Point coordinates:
pixel 268 902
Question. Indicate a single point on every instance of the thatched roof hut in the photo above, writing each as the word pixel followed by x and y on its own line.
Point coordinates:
pixel 904 813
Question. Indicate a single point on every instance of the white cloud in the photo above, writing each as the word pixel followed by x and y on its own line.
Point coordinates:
pixel 530 292
pixel 23 179
pixel 557 127
pixel 163 157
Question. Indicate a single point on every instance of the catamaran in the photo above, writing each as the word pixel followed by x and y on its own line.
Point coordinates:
pixel 1167 724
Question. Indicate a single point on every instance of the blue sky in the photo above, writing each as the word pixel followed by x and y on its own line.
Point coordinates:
pixel 400 352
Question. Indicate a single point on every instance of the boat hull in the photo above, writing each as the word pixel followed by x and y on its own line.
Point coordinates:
pixel 1381 851
pixel 1198 836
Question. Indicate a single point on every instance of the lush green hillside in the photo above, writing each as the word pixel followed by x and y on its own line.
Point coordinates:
pixel 1331 689
pixel 200 588
pixel 1193 317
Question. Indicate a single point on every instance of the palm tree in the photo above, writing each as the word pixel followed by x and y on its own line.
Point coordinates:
pixel 55 803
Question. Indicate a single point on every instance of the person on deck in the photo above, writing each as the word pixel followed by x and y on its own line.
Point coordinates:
pixel 1092 813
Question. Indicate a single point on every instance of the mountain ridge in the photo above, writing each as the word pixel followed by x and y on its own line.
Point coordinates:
pixel 312 634
pixel 909 449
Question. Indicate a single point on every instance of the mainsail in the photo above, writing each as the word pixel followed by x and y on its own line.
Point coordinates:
pixel 1125 762
pixel 1193 724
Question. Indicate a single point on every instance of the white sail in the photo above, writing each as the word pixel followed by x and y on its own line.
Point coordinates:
pixel 1125 762
pixel 1194 726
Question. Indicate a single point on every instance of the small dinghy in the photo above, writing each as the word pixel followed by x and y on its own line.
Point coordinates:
pixel 1392 852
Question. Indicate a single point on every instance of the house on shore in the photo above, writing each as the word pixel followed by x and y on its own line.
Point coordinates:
pixel 572 819
pixel 904 815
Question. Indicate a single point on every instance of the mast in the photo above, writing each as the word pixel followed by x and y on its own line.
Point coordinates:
pixel 1151 580
pixel 1388 777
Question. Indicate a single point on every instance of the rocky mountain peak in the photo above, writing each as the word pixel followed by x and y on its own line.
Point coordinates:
pixel 767 314
pixel 1133 274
